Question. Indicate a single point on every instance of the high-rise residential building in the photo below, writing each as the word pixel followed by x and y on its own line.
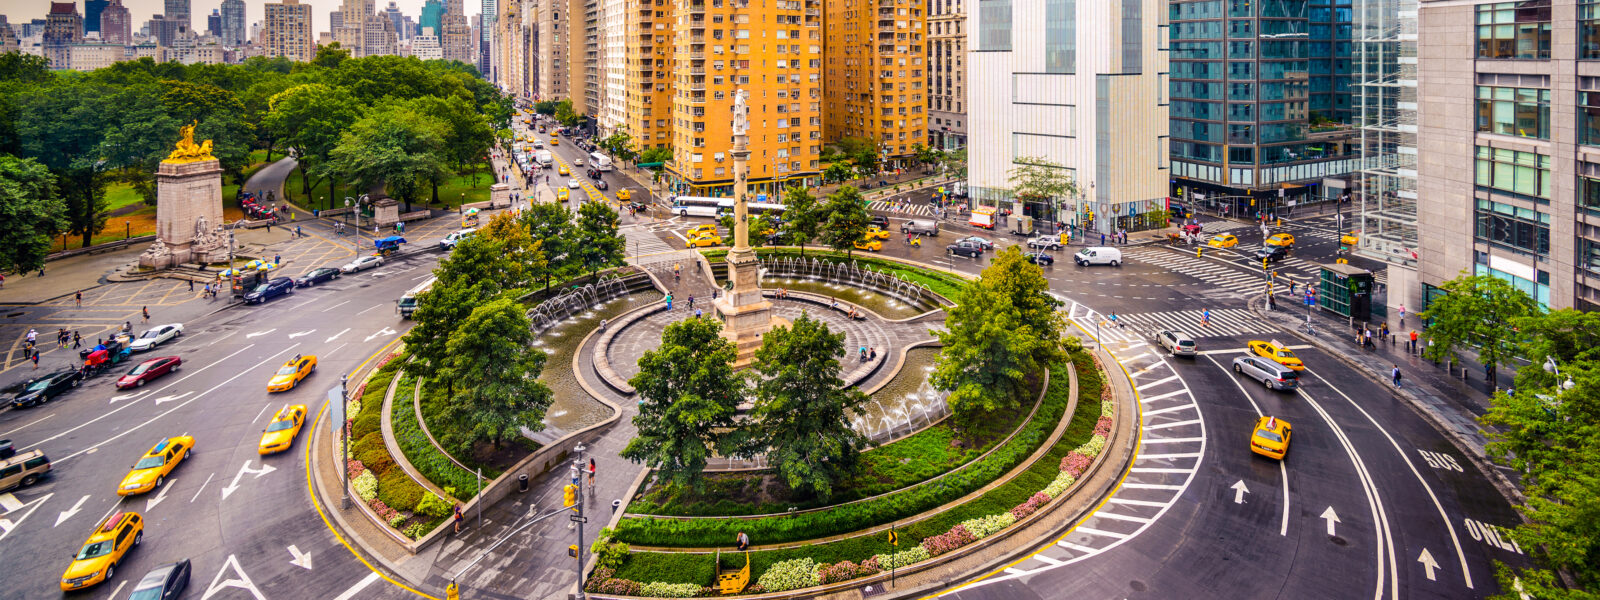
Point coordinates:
pixel 1508 173
pixel 513 49
pixel 91 14
pixel 1260 103
pixel 650 72
pixel 166 30
pixel 947 74
pixel 613 31
pixel 397 21
pixel 233 22
pixel 214 23
pixel 63 27
pixel 489 9
pixel 432 16
pixel 116 24
pixel 552 73
pixel 92 56
pixel 335 20
pixel 287 31
pixel 425 45
pixel 1383 204
pixel 9 41
pixel 772 52
pixel 456 37
pixel 875 73
pixel 1077 85
pixel 178 12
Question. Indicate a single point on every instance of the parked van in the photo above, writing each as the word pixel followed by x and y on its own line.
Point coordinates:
pixel 927 227
pixel 1098 255
pixel 23 469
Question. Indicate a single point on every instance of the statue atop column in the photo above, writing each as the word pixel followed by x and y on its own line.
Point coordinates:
pixel 741 112
pixel 746 314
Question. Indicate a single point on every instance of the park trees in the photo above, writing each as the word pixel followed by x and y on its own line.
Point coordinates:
pixel 1474 313
pixel 658 154
pixel 803 219
pixel 63 127
pixel 1003 330
pixel 31 212
pixel 311 118
pixel 801 417
pixel 221 118
pixel 595 239
pixel 501 392
pixel 688 394
pixel 550 225
pixel 395 146
pixel 1039 180
pixel 846 221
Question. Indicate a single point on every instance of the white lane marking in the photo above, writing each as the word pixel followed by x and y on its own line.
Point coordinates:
pixel 1171 440
pixel 1118 517
pixel 1160 411
pixel 1331 517
pixel 125 406
pixel 301 559
pixel 1239 490
pixel 115 399
pixel 380 332
pixel 242 581
pixel 171 397
pixel 1380 516
pixel 228 335
pixel 1283 527
pixel 355 589
pixel 12 525
pixel 1169 456
pixel 1072 546
pixel 258 333
pixel 1159 382
pixel 118 590
pixel 67 514
pixel 329 353
pixel 171 410
pixel 1015 571
pixel 1466 574
pixel 335 306
pixel 165 487
pixel 372 307
pixel 300 333
pixel 1428 563
pixel 202 487
pixel 1150 486
pixel 335 336
pixel 10 502
pixel 263 411
pixel 1045 559
pixel 36 422
pixel 1155 470
pixel 1161 396
pixel 1136 502
pixel 1101 532
pixel 245 468
pixel 421 276
pixel 1173 424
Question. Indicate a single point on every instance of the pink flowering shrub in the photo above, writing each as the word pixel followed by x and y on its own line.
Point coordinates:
pixel 1033 504
pixel 1102 427
pixel 1074 463
pixel 839 571
pixel 354 468
pixel 957 537
pixel 384 512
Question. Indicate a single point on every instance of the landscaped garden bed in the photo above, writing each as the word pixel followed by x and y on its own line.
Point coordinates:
pixel 389 493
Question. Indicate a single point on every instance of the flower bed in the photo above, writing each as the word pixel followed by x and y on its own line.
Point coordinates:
pixel 824 563
pixel 699 533
pixel 939 282
pixel 420 452
pixel 386 488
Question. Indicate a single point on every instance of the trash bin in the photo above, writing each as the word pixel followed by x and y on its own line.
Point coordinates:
pixel 522 482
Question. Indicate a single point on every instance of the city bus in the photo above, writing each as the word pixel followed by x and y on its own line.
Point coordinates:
pixel 700 206
pixel 771 209
pixel 407 304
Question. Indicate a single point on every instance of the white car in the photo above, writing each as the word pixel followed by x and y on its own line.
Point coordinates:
pixel 362 264
pixel 577 162
pixel 449 242
pixel 572 184
pixel 1045 242
pixel 156 337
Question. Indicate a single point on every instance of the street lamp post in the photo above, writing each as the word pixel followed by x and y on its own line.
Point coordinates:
pixel 577 472
pixel 344 434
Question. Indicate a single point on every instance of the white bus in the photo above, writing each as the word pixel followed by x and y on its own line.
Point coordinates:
pixel 700 206
pixel 599 161
pixel 757 209
pixel 407 304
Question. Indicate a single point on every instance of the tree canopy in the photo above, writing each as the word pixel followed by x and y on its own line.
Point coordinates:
pixel 31 211
pixel 490 350
pixel 1473 313
pixel 846 221
pixel 688 394
pixel 1003 330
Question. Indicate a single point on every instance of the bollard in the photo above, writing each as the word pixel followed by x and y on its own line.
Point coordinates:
pixel 522 482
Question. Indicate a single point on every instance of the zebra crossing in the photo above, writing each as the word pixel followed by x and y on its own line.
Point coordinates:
pixel 644 247
pixel 1139 327
pixel 1210 271
pixel 921 210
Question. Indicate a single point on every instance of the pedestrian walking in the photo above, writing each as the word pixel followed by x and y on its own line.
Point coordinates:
pixel 146 311
pixel 1411 345
pixel 1205 317
pixel 669 301
pixel 1293 287
pixel 691 301
pixel 1395 375
pixel 1102 239
pixel 277 259
pixel 697 313
pixel 297 232
pixel 78 298
pixel 591 475
pixel 36 359
pixel 77 340
pixel 191 285
pixel 457 517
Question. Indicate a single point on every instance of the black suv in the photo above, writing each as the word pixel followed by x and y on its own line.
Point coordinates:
pixel 1272 254
pixel 41 390
pixel 269 290
pixel 964 248
pixel 881 221
pixel 1039 258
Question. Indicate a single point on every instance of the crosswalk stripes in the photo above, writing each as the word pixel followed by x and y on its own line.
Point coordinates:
pixel 1211 272
pixel 1224 322
pixel 925 210
pixel 645 247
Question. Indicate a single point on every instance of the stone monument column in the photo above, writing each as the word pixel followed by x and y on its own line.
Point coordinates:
pixel 746 315
pixel 188 204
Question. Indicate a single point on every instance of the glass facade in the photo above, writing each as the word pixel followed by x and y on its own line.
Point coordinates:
pixel 995 34
pixel 1512 227
pixel 1060 33
pixel 1522 112
pixel 1589 118
pixel 1514 29
pixel 1513 171
pixel 1588 29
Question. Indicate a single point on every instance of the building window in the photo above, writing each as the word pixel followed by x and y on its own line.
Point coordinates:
pixel 1513 227
pixel 1523 112
pixel 1513 171
pixel 1060 35
pixel 1589 194
pixel 1589 118
pixel 1588 28
pixel 1589 255
pixel 1514 29
pixel 994 33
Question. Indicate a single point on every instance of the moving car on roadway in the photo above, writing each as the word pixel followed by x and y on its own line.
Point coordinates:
pixel 165 582
pixel 23 470
pixel 982 242
pixel 562 195
pixel 155 337
pixel 1272 254
pixel 703 240
pixel 361 264
pixel 1098 256
pixel 280 432
pixel 407 304
pixel 291 373
pixel 316 276
pixel 868 243
pixel 1223 241
pixel 699 230
pixel 1046 242
pixel 110 542
pixel 276 287
pixel 1276 352
pixel 1039 258
pixel 153 468
pixel 876 232
pixel 1272 375
pixel 1271 438
pixel 965 248
pixel 1280 239
pixel 1177 343
pixel 41 390
pixel 149 370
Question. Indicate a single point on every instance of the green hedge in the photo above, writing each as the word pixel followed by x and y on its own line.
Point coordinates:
pixel 422 454
pixel 940 282
pixel 678 567
pixel 395 487
pixel 700 533
pixel 898 464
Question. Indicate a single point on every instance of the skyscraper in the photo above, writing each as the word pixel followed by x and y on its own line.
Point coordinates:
pixel 397 21
pixel 287 31
pixel 947 74
pixel 233 22
pixel 456 38
pixel 116 25
pixel 874 74
pixel 63 27
pixel 432 17
pixel 1383 207
pixel 214 23
pixel 486 33
pixel 178 11
pixel 91 14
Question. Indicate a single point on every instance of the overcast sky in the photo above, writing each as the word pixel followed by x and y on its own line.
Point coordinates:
pixel 22 11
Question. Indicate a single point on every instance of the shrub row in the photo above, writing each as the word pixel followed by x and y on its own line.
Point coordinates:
pixel 649 531
pixel 380 483
pixel 427 458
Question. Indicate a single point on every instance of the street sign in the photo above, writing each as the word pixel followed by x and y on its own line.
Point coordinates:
pixel 577 519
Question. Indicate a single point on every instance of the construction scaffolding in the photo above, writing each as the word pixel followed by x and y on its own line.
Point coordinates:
pixel 1386 98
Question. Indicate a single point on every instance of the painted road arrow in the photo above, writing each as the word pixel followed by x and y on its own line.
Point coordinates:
pixel 165 487
pixel 251 335
pixel 1332 518
pixel 1239 490
pixel 9 525
pixel 384 331
pixel 307 332
pixel 1428 563
pixel 115 399
pixel 67 514
pixel 218 584
pixel 172 398
pixel 301 559
pixel 265 468
pixel 336 335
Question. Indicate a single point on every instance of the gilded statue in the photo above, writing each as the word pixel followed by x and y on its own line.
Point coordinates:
pixel 187 150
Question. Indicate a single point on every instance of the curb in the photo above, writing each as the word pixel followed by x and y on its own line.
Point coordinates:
pixel 1471 448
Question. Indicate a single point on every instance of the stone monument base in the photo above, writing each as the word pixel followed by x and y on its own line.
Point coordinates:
pixel 386 212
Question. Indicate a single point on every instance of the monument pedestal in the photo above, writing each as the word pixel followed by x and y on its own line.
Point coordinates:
pixel 188 212
pixel 746 314
pixel 386 212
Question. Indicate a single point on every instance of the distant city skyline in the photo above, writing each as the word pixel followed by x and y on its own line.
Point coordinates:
pixel 22 11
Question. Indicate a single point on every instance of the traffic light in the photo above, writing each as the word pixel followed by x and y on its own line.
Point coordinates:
pixel 569 496
pixel 1264 264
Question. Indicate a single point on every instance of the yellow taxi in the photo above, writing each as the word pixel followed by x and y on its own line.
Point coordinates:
pixel 703 240
pixel 1277 353
pixel 624 195
pixel 97 561
pixel 699 230
pixel 1223 241
pixel 1349 239
pixel 555 141
pixel 869 244
pixel 562 194
pixel 1280 239
pixel 280 433
pixel 154 467
pixel 563 170
pixel 1271 438
pixel 875 232
pixel 291 373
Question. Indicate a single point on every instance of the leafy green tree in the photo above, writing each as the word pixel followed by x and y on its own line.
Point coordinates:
pixel 64 127
pixel 467 134
pixel 596 241
pixel 927 156
pixel 138 136
pixel 311 118
pixel 500 392
pixel 689 394
pixel 838 172
pixel 1003 330
pixel 395 146
pixel 31 212
pixel 545 107
pixel 1473 313
pixel 658 154
pixel 801 417
pixel 565 114
pixel 518 246
pixel 330 56
pixel 550 226
pixel 438 312
pixel 802 221
pixel 846 221
pixel 18 71
pixel 1039 180
pixel 220 116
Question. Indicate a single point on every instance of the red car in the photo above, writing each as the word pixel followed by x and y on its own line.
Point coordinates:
pixel 149 370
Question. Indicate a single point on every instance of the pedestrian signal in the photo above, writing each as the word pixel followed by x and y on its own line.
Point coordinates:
pixel 572 551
